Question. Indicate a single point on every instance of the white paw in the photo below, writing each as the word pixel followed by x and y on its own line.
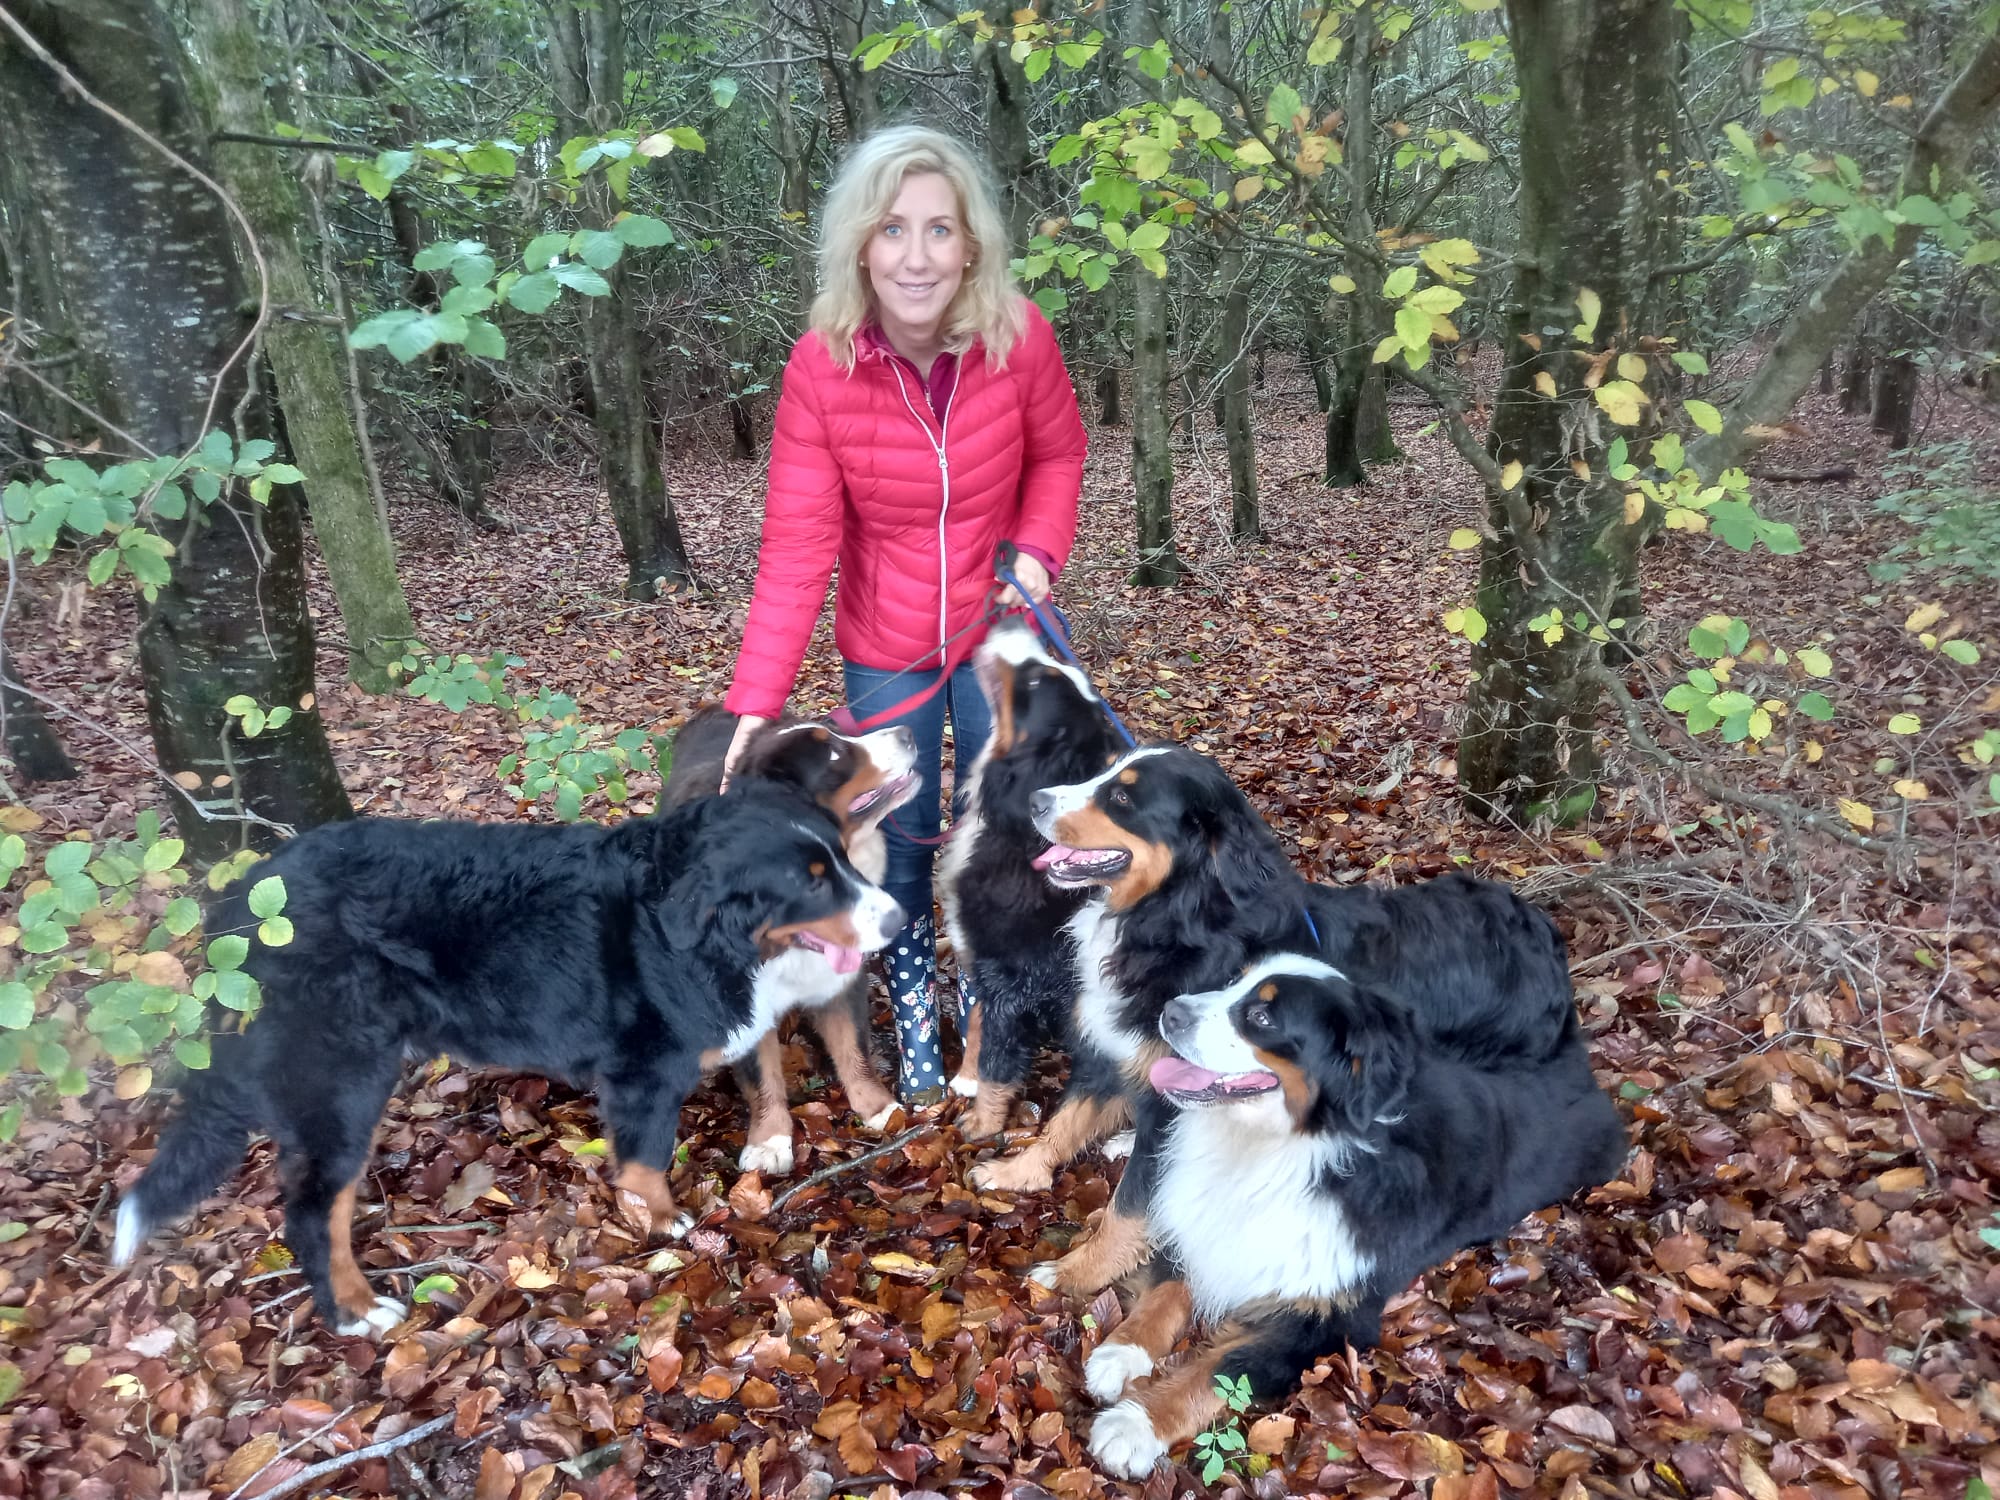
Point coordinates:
pixel 1045 1274
pixel 965 1085
pixel 1123 1441
pixel 131 1232
pixel 1119 1146
pixel 1112 1367
pixel 378 1320
pixel 981 1177
pixel 678 1226
pixel 772 1156
pixel 881 1118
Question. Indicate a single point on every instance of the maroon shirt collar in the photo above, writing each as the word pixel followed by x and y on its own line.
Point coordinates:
pixel 871 342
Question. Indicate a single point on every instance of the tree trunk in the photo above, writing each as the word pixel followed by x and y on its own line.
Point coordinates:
pixel 855 91
pixel 1152 455
pixel 1355 430
pixel 1232 354
pixel 34 746
pixel 1319 361
pixel 1948 133
pixel 1596 108
pixel 794 194
pixel 1826 376
pixel 1855 380
pixel 587 57
pixel 1009 146
pixel 1895 401
pixel 347 512
pixel 150 273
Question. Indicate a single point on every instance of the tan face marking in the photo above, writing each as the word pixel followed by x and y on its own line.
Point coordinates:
pixel 1001 697
pixel 1089 828
pixel 1268 990
pixel 1129 776
pixel 837 929
pixel 1300 1092
pixel 817 869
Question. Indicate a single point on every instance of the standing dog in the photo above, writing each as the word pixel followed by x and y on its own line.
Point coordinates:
pixel 631 958
pixel 1326 1145
pixel 860 781
pixel 1007 922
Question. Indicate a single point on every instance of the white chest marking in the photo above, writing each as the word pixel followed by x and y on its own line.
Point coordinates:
pixel 1237 1207
pixel 1095 929
pixel 796 978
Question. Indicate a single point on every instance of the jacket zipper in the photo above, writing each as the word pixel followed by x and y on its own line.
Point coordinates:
pixel 944 480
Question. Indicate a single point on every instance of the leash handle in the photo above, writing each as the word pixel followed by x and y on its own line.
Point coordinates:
pixel 1004 558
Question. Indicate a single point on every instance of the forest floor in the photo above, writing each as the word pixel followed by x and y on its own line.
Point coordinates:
pixel 1793 1291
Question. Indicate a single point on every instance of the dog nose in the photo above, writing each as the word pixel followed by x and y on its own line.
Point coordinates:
pixel 1175 1017
pixel 1041 805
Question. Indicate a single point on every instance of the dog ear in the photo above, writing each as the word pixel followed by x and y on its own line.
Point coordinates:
pixel 1249 864
pixel 1380 1058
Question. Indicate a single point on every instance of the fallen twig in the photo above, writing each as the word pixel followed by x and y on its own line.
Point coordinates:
pixel 306 1477
pixel 826 1174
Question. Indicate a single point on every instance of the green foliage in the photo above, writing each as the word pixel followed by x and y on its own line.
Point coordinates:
pixel 1748 685
pixel 82 504
pixel 1723 508
pixel 1955 517
pixel 110 966
pixel 1224 1445
pixel 562 758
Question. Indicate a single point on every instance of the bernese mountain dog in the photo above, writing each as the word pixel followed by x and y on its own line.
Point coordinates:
pixel 1327 1143
pixel 1191 888
pixel 1007 923
pixel 631 958
pixel 860 780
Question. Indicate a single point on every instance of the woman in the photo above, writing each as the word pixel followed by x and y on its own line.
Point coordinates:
pixel 925 418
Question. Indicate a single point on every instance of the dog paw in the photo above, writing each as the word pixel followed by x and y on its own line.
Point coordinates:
pixel 377 1321
pixel 965 1085
pixel 1112 1367
pixel 772 1156
pixel 1047 1274
pixel 1011 1175
pixel 881 1118
pixel 675 1227
pixel 1119 1146
pixel 1123 1441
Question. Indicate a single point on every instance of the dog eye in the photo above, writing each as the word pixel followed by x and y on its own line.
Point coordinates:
pixel 1259 1017
pixel 1120 797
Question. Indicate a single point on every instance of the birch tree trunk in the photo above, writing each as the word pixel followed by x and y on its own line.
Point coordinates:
pixel 150 275
pixel 347 512
pixel 1596 108
pixel 587 58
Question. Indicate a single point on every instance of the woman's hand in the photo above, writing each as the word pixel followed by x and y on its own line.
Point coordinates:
pixel 1034 578
pixel 746 726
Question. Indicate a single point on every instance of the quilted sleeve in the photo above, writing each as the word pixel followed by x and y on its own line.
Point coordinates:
pixel 1052 470
pixel 802 523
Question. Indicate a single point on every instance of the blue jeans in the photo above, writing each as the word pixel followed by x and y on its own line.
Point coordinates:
pixel 910 962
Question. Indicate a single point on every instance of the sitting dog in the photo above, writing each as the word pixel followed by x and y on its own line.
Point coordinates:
pixel 860 781
pixel 1007 923
pixel 631 958
pixel 1327 1144
pixel 1191 889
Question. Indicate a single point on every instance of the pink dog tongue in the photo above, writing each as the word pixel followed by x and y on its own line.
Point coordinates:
pixel 844 960
pixel 1053 854
pixel 1176 1075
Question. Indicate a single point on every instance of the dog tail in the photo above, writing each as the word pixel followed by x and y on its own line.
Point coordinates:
pixel 197 1150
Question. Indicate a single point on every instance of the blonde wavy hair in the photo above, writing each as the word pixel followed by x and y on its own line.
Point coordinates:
pixel 987 307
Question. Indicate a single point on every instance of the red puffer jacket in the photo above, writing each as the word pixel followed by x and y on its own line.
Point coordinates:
pixel 863 470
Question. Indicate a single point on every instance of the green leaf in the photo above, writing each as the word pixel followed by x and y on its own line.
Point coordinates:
pixel 236 990
pixel 1963 652
pixel 1693 363
pixel 1814 662
pixel 1413 327
pixel 182 916
pixel 228 951
pixel 1704 416
pixel 1148 236
pixel 267 896
pixel 542 249
pixel 1815 706
pixel 410 340
pixel 598 249
pixel 580 279
pixel 1684 697
pixel 535 292
pixel 17 1005
pixel 1705 643
pixel 1905 724
pixel 483 340
pixel 687 138
pixel 642 231
pixel 192 1052
pixel 163 855
pixel 1730 703
pixel 1400 282
pixel 1284 104
pixel 431 1286
pixel 67 858
pixel 722 91
pixel 275 932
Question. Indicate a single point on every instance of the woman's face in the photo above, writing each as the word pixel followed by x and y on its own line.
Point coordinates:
pixel 916 257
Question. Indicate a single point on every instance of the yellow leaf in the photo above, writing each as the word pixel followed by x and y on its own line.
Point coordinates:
pixel 132 1082
pixel 1312 155
pixel 1454 620
pixel 1760 724
pixel 1511 475
pixel 1860 814
pixel 1635 507
pixel 1633 368
pixel 1814 750
pixel 1341 284
pixel 18 819
pixel 1865 83
pixel 1248 188
pixel 1899 101
pixel 1621 401
pixel 1463 539
pixel 1545 383
pixel 1253 153
pixel 162 969
pixel 896 1263
pixel 655 145
pixel 1904 724
pixel 1814 662
pixel 1924 617
pixel 1589 307
pixel 1387 350
pixel 528 1276
pixel 1915 791
pixel 1553 634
